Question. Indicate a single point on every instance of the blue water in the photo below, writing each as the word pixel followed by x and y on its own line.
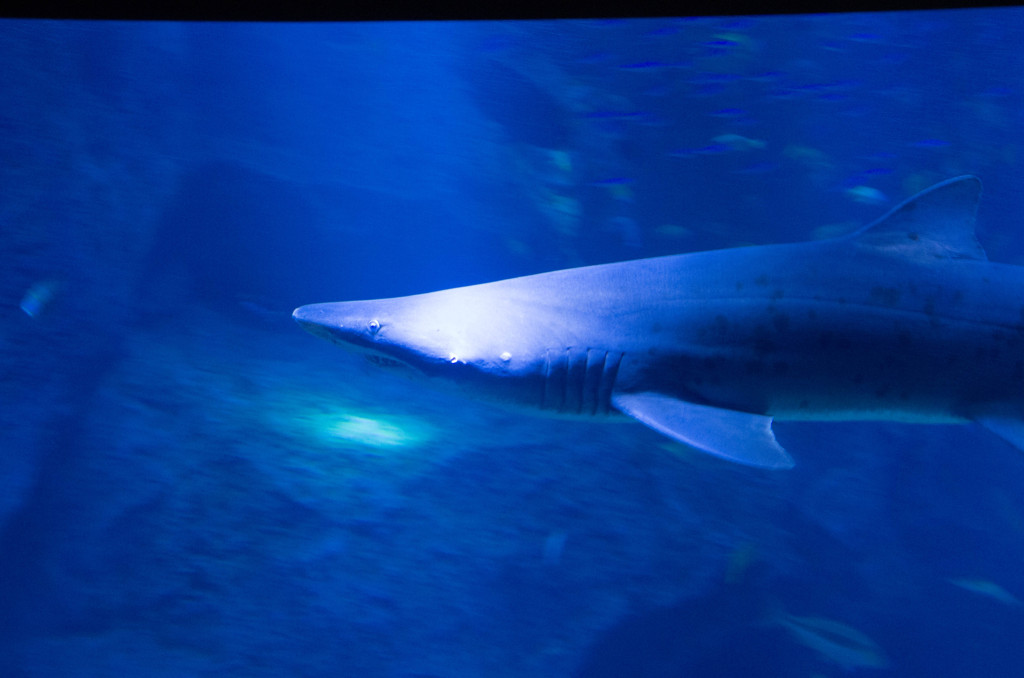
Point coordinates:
pixel 192 486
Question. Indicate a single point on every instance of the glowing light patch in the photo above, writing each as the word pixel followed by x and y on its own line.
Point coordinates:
pixel 373 432
pixel 333 426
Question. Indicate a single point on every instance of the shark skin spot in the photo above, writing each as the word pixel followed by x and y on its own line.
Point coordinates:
pixel 739 286
pixel 778 294
pixel 886 296
pixel 780 320
pixel 713 364
pixel 914 236
pixel 762 280
pixel 714 333
pixel 762 340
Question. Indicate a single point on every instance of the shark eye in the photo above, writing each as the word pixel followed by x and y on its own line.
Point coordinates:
pixel 374 326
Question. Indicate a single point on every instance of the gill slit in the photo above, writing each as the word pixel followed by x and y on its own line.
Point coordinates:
pixel 579 381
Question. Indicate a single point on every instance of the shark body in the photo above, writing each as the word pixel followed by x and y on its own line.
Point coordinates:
pixel 904 320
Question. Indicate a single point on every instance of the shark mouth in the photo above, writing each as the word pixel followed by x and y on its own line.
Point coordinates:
pixel 383 361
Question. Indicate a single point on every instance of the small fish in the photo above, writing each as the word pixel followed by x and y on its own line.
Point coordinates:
pixel 560 160
pixel 758 168
pixel 622 192
pixel 729 40
pixel 710 149
pixel 805 155
pixel 643 66
pixel 612 181
pixel 39 296
pixel 729 113
pixel 736 142
pixel 866 175
pixel 673 231
pixel 714 78
pixel 785 94
pixel 836 642
pixel 618 115
pixel 866 195
pixel 987 588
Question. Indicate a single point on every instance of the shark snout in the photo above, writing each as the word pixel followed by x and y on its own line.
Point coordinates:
pixel 315 319
pixel 337 322
pixel 352 325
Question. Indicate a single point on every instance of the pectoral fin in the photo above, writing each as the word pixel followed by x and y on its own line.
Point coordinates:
pixel 736 436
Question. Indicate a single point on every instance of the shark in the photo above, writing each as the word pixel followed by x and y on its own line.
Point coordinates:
pixel 904 320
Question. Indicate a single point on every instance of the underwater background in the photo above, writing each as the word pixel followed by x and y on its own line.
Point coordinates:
pixel 192 486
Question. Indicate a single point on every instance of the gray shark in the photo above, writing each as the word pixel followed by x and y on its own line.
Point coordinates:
pixel 904 320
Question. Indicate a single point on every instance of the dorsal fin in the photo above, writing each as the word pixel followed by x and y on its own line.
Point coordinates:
pixel 936 223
